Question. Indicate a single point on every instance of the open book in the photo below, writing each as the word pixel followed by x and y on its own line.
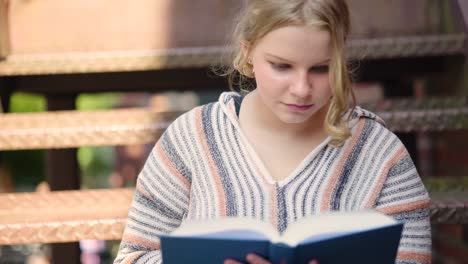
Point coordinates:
pixel 365 237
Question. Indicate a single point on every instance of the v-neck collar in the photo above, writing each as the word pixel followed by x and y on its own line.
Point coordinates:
pixel 231 104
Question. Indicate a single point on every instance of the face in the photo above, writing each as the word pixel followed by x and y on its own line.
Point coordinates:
pixel 292 73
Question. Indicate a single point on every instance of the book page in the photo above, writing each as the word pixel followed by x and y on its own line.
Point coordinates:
pixel 226 226
pixel 334 222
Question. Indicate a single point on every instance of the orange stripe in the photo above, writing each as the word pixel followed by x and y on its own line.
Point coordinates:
pixel 399 154
pixel 211 164
pixel 131 257
pixel 170 165
pixel 140 241
pixel 405 207
pixel 327 196
pixel 142 190
pixel 414 256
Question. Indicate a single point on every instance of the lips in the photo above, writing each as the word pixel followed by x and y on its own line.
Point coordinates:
pixel 301 108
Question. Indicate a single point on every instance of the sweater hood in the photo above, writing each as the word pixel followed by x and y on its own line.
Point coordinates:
pixel 359 113
pixel 230 100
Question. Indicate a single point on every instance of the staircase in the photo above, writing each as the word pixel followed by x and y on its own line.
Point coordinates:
pixel 408 67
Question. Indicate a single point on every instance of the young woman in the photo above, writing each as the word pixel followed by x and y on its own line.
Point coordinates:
pixel 290 147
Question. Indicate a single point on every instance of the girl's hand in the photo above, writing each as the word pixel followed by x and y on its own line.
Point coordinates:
pixel 255 259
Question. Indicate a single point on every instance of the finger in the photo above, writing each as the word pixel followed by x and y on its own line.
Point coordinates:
pixel 231 261
pixel 256 259
pixel 313 262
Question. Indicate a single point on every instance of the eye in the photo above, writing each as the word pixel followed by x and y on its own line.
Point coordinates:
pixel 280 66
pixel 320 69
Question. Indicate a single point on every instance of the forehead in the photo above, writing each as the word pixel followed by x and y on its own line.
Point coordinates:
pixel 299 44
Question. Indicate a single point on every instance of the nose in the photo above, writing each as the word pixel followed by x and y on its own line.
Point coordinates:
pixel 300 86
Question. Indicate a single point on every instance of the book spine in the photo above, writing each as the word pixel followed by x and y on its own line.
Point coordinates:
pixel 281 253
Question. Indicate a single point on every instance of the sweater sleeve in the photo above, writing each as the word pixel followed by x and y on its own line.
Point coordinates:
pixel 159 204
pixel 405 198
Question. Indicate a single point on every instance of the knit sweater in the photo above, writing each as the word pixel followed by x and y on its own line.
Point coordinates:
pixel 203 167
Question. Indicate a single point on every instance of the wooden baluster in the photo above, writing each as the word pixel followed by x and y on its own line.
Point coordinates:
pixel 62 174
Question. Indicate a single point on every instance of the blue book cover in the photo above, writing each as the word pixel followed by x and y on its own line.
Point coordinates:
pixel 366 238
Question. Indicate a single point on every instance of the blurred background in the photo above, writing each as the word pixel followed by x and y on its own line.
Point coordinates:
pixel 408 60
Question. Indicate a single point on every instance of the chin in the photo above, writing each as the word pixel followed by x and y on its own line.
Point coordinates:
pixel 294 120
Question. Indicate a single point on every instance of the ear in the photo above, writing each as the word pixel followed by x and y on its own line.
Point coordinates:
pixel 245 48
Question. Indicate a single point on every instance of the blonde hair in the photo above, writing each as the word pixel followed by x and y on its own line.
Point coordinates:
pixel 260 17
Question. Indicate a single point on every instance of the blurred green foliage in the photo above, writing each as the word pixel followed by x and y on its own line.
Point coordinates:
pixel 97 101
pixel 26 166
pixel 96 163
pixel 23 102
pixel 442 184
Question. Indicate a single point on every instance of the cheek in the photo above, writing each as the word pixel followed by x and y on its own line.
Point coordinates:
pixel 322 85
pixel 265 74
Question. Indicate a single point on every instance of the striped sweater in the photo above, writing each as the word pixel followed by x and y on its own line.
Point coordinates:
pixel 203 168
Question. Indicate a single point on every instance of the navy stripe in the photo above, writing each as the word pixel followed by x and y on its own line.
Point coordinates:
pixel 403 166
pixel 145 232
pixel 235 149
pixel 335 153
pixel 416 185
pixel 349 165
pixel 134 247
pixel 414 215
pixel 407 262
pixel 215 153
pixel 371 173
pixel 229 148
pixel 250 174
pixel 402 180
pixel 157 186
pixel 329 151
pixel 312 174
pixel 413 236
pixel 419 193
pixel 168 146
pixel 282 212
pixel 196 159
pixel 136 222
pixel 415 245
pixel 157 207
pixel 237 103
pixel 367 167
pixel 152 217
pixel 169 177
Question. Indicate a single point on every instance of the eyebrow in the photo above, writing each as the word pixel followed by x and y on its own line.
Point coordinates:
pixel 286 60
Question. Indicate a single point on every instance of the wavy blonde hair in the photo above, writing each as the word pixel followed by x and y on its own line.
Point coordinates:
pixel 259 17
